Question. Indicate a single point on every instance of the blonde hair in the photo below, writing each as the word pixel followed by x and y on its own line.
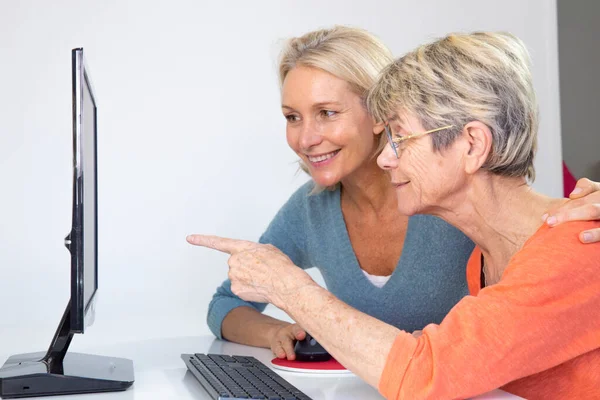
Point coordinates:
pixel 351 54
pixel 460 78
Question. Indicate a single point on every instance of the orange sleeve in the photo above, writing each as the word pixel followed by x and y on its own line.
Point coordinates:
pixel 544 311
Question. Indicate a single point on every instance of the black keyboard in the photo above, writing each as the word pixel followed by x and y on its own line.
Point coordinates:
pixel 239 377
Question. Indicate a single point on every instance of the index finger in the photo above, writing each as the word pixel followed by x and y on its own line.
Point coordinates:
pixel 226 245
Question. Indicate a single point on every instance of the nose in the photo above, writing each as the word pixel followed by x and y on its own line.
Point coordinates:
pixel 387 160
pixel 310 136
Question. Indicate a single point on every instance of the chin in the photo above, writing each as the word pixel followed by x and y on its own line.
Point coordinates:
pixel 408 208
pixel 325 181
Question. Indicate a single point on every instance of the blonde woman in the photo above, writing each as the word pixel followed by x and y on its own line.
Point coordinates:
pixel 344 221
pixel 461 118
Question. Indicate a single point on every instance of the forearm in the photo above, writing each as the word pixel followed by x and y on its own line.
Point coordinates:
pixel 248 326
pixel 358 341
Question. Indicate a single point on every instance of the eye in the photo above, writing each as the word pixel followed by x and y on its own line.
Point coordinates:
pixel 328 113
pixel 399 132
pixel 291 117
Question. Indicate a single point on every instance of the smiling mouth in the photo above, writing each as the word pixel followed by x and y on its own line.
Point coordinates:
pixel 322 157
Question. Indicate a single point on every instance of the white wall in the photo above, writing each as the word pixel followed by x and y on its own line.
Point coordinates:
pixel 190 140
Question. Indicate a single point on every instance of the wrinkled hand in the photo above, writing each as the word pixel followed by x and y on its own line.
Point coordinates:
pixel 258 272
pixel 284 339
pixel 583 206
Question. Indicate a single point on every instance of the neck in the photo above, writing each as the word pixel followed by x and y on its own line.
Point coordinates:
pixel 369 189
pixel 499 214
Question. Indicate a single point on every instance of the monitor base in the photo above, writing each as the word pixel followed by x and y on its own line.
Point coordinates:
pixel 29 375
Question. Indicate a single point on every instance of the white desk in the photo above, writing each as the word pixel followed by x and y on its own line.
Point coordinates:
pixel 161 374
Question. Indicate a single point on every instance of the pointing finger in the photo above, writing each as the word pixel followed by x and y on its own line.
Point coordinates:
pixel 222 244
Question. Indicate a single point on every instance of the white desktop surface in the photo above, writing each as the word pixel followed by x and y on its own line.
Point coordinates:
pixel 161 374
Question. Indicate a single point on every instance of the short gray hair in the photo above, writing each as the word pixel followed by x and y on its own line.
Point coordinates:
pixel 460 78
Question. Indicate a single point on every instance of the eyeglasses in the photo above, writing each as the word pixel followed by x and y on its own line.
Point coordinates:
pixel 396 142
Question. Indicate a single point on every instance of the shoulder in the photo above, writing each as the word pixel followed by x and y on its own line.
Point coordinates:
pixel 301 219
pixel 304 200
pixel 303 205
pixel 297 201
pixel 557 253
pixel 563 239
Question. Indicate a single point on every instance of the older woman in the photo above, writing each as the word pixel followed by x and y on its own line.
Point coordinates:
pixel 460 115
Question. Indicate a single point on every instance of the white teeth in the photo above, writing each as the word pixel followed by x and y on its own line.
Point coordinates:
pixel 322 158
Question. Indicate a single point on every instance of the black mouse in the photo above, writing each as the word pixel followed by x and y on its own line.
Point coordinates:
pixel 309 350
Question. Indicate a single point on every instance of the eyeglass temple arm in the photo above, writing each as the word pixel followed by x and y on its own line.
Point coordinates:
pixel 413 135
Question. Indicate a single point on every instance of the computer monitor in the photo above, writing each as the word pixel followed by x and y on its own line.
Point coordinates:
pixel 82 241
pixel 56 371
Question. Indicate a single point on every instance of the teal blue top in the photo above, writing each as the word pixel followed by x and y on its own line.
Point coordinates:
pixel 428 281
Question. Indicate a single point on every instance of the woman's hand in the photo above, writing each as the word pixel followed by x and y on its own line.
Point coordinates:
pixel 583 206
pixel 284 339
pixel 263 273
pixel 258 272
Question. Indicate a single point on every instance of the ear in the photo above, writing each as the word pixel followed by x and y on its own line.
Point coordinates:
pixel 479 139
pixel 378 127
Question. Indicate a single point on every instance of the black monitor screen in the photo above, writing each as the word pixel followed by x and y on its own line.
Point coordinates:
pixel 84 233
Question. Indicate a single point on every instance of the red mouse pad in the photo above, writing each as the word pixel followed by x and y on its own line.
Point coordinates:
pixel 330 366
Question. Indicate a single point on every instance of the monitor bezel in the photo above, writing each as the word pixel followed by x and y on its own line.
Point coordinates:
pixel 80 312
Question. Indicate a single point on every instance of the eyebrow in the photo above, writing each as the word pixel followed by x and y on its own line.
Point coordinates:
pixel 320 104
pixel 326 103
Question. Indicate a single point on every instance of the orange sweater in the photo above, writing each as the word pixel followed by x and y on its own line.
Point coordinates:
pixel 536 333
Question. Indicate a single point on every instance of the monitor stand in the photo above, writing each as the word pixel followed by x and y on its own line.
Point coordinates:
pixel 57 372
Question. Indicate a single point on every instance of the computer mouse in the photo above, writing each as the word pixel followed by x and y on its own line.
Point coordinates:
pixel 309 350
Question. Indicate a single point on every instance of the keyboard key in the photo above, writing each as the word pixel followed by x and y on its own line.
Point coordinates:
pixel 241 377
